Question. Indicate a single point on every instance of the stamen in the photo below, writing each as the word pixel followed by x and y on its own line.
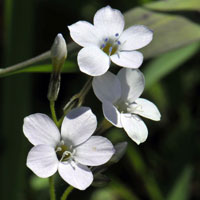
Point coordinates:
pixel 116 34
pixel 110 50
pixel 73 166
pixel 66 153
pixel 103 46
pixel 58 149
pixel 106 40
pixel 118 42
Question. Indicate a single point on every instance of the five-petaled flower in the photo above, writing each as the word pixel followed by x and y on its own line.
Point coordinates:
pixel 70 152
pixel 106 40
pixel 121 103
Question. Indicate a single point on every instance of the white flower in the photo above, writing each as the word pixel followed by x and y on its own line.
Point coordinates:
pixel 106 40
pixel 69 152
pixel 121 103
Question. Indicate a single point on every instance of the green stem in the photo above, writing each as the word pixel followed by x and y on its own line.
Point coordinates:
pixel 66 193
pixel 52 188
pixel 25 64
pixel 53 112
pixel 22 65
pixel 77 99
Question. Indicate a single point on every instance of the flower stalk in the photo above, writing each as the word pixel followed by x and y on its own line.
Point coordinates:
pixel 66 193
pixel 52 188
pixel 28 63
pixel 77 100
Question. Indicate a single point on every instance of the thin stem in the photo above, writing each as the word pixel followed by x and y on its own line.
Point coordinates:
pixel 84 91
pixel 53 112
pixel 66 193
pixel 25 64
pixel 77 99
pixel 52 188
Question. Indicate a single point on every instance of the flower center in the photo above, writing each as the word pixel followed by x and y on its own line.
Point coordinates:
pixel 110 45
pixel 122 106
pixel 63 152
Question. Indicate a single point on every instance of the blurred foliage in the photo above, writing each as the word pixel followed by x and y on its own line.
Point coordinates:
pixel 167 165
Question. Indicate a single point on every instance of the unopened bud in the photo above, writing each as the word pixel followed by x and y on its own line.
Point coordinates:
pixel 58 52
pixel 58 56
pixel 54 87
pixel 120 150
pixel 100 180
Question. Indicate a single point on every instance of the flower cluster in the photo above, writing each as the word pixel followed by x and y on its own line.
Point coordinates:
pixel 72 150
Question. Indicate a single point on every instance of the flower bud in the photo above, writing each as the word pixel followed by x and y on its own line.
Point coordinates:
pixel 100 180
pixel 58 56
pixel 120 150
pixel 58 53
pixel 54 87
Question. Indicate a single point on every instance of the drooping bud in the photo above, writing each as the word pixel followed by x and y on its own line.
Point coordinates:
pixel 100 180
pixel 58 56
pixel 120 150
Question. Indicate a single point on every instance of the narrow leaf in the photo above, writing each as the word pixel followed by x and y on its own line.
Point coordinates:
pixel 181 188
pixel 170 31
pixel 166 63
pixel 174 5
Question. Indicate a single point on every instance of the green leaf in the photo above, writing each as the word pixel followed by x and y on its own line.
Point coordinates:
pixel 170 31
pixel 174 5
pixel 181 188
pixel 139 166
pixel 166 63
pixel 69 67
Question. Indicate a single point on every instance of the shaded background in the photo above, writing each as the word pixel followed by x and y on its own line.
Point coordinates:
pixel 167 165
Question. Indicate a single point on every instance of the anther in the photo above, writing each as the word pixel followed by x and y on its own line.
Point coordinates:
pixel 118 42
pixel 106 40
pixel 116 34
pixel 110 50
pixel 103 46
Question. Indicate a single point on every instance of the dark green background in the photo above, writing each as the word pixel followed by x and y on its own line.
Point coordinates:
pixel 167 165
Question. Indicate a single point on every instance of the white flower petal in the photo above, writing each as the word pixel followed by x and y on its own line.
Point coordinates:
pixel 109 21
pixel 97 150
pixel 42 160
pixel 84 33
pixel 134 127
pixel 128 59
pixel 112 114
pixel 147 109
pixel 79 124
pixel 107 87
pixel 132 84
pixel 93 61
pixel 136 37
pixel 40 129
pixel 75 174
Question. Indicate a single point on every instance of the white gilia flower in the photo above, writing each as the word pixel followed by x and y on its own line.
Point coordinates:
pixel 121 103
pixel 106 40
pixel 69 152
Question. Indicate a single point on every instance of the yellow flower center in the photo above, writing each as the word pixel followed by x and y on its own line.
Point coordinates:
pixel 110 46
